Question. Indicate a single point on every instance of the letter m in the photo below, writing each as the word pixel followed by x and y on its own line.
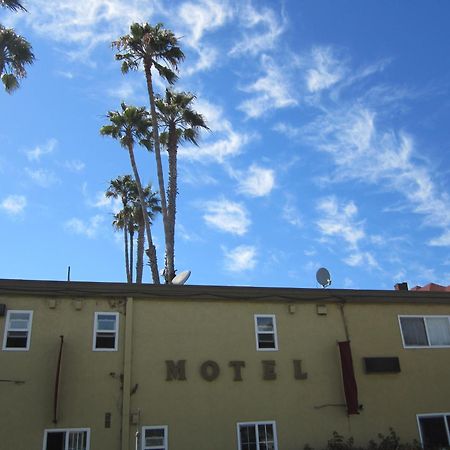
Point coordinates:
pixel 176 370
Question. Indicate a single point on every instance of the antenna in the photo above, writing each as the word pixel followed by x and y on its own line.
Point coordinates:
pixel 182 277
pixel 323 277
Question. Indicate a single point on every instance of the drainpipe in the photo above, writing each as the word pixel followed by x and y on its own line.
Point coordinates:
pixel 127 374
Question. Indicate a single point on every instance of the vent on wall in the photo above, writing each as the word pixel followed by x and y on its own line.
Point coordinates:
pixel 382 365
pixel 2 309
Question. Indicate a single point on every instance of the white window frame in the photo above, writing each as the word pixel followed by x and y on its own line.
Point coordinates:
pixel 264 422
pixel 8 329
pixel 423 316
pixel 274 323
pixel 115 331
pixel 68 431
pixel 155 427
pixel 418 417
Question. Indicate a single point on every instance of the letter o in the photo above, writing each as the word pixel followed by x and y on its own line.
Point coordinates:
pixel 209 370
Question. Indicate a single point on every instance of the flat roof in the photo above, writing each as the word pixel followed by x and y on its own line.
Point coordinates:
pixel 202 292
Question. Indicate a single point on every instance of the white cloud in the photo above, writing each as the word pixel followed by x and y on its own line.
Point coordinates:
pixel 203 16
pixel 441 241
pixel 240 258
pixel 36 153
pixel 222 143
pixel 227 216
pixel 361 259
pixel 291 213
pixel 42 177
pixel 74 165
pixel 86 23
pixel 339 221
pixel 257 182
pixel 273 90
pixel 127 90
pixel 326 71
pixel 88 228
pixel 363 153
pixel 14 204
pixel 106 203
pixel 265 29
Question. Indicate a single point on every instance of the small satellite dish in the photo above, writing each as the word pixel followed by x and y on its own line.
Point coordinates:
pixel 323 277
pixel 182 277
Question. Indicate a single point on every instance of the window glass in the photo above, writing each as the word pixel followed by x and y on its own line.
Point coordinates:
pixel 414 332
pixel 106 331
pixel 155 438
pixel 17 330
pixel 266 335
pixel 433 430
pixel 265 324
pixel 66 440
pixel 438 330
pixel 257 436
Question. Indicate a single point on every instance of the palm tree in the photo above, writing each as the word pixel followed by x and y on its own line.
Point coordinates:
pixel 121 187
pixel 179 123
pixel 128 126
pixel 13 5
pixel 15 53
pixel 153 207
pixel 153 47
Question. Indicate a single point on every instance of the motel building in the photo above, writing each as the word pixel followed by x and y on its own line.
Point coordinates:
pixel 112 366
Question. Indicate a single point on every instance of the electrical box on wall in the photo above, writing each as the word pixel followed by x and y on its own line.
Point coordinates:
pixel 2 309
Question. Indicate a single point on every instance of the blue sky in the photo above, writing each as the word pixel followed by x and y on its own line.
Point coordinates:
pixel 329 142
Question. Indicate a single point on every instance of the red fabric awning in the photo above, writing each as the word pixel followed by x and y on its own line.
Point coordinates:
pixel 348 378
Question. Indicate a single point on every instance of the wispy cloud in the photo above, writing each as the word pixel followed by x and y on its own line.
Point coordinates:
pixel 339 221
pixel 42 177
pixel 441 241
pixel 74 165
pixel 223 142
pixel 272 90
pixel 240 258
pixel 203 16
pixel 366 154
pixel 290 212
pixel 89 228
pixel 37 152
pixel 14 204
pixel 326 70
pixel 84 24
pixel 227 216
pixel 262 29
pixel 257 181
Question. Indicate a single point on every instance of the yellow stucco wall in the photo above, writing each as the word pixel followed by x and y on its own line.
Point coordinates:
pixel 201 414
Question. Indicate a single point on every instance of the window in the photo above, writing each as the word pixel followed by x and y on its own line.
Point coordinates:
pixel 154 438
pixel 18 330
pixel 106 326
pixel 425 331
pixel 266 332
pixel 257 436
pixel 67 439
pixel 434 430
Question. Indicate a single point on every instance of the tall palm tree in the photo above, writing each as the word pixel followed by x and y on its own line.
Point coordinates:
pixel 153 207
pixel 128 126
pixel 122 187
pixel 179 123
pixel 13 5
pixel 152 47
pixel 15 54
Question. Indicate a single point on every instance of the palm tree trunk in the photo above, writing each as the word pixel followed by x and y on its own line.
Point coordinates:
pixel 162 191
pixel 151 248
pixel 172 192
pixel 140 253
pixel 131 250
pixel 127 261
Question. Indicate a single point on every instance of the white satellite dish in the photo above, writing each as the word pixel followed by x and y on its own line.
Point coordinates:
pixel 323 277
pixel 182 277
